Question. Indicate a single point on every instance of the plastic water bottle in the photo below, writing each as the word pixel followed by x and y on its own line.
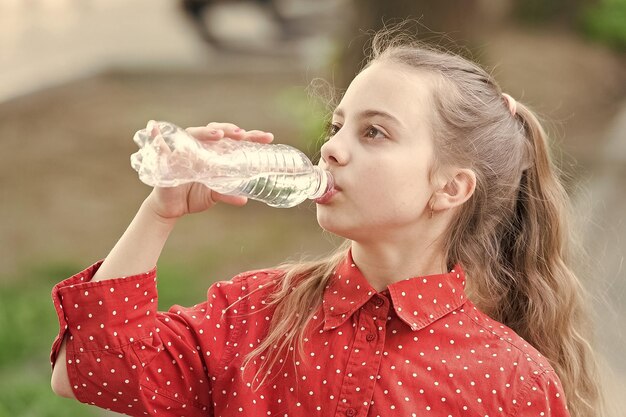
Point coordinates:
pixel 278 175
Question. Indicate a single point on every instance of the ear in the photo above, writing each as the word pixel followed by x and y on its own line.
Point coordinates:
pixel 456 191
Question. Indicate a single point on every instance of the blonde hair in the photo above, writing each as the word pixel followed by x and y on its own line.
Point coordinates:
pixel 511 236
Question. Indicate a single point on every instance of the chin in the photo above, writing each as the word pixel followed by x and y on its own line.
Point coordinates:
pixel 326 222
pixel 332 225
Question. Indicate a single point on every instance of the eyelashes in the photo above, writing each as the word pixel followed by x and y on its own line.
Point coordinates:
pixel 375 133
pixel 330 130
pixel 369 132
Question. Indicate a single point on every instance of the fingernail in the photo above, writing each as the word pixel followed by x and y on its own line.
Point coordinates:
pixel 213 132
pixel 238 130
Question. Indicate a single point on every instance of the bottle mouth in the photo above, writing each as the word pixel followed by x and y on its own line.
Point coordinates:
pixel 327 183
pixel 330 182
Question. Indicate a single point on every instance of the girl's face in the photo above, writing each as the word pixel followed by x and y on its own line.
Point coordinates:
pixel 380 152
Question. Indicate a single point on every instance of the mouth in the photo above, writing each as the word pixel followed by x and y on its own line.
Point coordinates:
pixel 325 199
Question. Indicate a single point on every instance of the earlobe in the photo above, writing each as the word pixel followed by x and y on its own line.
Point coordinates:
pixel 456 191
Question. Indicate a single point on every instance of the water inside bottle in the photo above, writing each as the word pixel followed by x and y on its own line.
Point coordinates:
pixel 275 189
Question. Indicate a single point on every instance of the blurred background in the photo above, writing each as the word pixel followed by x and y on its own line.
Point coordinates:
pixel 78 78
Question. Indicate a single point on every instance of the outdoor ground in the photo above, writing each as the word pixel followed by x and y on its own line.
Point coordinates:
pixel 68 191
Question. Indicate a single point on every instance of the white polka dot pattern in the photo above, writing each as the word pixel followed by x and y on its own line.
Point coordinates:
pixel 419 348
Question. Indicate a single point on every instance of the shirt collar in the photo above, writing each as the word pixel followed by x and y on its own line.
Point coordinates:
pixel 418 301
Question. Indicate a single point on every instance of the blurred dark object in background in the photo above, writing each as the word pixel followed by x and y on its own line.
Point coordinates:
pixel 431 21
pixel 197 11
pixel 278 21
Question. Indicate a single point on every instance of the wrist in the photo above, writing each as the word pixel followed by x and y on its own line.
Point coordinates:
pixel 148 211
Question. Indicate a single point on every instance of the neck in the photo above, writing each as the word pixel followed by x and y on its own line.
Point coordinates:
pixel 383 263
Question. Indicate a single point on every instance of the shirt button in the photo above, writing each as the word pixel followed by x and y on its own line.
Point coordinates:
pixel 351 412
pixel 379 302
pixel 370 337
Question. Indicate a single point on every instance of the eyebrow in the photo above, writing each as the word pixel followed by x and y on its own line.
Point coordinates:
pixel 370 113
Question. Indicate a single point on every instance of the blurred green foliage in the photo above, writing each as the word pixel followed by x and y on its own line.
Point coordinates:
pixel 28 326
pixel 606 22
pixel 602 20
pixel 311 112
pixel 546 11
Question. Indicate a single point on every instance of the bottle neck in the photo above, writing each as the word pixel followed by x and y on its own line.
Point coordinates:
pixel 324 182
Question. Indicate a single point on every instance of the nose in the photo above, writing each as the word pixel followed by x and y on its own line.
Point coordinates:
pixel 334 151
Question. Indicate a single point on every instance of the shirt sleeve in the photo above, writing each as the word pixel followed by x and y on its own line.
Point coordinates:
pixel 124 355
pixel 544 397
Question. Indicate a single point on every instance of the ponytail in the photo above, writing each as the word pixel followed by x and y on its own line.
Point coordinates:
pixel 546 305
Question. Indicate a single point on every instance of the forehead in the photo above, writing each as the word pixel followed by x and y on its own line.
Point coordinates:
pixel 397 89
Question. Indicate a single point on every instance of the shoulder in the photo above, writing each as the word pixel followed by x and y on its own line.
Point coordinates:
pixel 227 302
pixel 504 343
pixel 501 365
pixel 255 284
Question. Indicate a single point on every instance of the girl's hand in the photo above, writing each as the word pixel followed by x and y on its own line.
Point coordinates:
pixel 173 202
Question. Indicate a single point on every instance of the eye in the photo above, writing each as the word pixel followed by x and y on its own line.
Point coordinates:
pixel 332 129
pixel 374 133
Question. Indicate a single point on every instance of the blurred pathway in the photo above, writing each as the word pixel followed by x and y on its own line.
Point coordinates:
pixel 49 42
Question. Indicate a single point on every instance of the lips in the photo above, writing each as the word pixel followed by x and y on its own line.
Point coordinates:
pixel 324 199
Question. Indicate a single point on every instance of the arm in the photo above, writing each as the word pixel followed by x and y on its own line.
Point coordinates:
pixel 124 355
pixel 137 250
pixel 141 244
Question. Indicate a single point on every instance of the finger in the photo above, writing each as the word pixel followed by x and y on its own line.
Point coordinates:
pixel 160 145
pixel 215 131
pixel 205 133
pixel 223 126
pixel 230 130
pixel 235 200
pixel 258 136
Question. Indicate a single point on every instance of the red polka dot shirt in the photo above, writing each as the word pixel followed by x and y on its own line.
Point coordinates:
pixel 418 348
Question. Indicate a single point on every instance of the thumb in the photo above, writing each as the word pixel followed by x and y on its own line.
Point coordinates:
pixel 235 200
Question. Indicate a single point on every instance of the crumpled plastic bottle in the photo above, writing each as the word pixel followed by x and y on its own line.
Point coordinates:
pixel 278 175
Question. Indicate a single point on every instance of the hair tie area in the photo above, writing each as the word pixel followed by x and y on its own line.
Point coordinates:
pixel 511 103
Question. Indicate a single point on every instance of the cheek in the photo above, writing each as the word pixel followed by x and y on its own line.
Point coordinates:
pixel 402 180
pixel 403 196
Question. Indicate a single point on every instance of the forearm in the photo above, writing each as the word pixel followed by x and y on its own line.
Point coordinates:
pixel 136 251
pixel 139 247
pixel 60 380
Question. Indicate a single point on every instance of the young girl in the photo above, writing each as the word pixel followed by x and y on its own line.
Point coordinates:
pixel 450 297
